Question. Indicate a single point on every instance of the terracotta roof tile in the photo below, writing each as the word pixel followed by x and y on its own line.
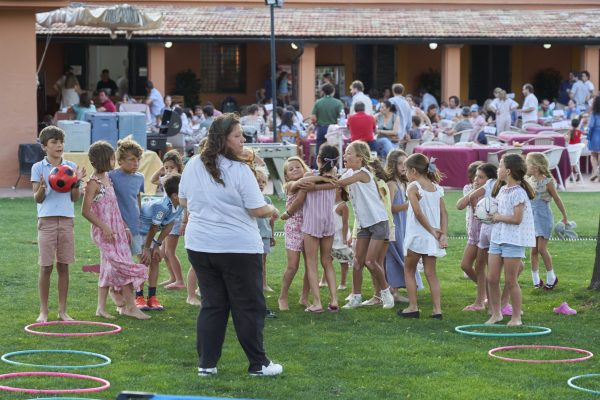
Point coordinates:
pixel 186 21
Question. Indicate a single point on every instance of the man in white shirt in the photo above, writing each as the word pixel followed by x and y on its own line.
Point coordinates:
pixel 356 89
pixel 579 91
pixel 403 110
pixel 585 77
pixel 530 105
pixel 453 110
pixel 427 100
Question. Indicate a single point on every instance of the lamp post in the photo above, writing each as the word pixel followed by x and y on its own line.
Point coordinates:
pixel 272 4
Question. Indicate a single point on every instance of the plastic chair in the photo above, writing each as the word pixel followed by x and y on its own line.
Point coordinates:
pixel 553 156
pixel 531 125
pixel 494 158
pixel 465 135
pixel 547 132
pixel 494 139
pixel 410 146
pixel 541 141
pixel 29 154
pixel 291 138
pixel 575 151
pixel 516 129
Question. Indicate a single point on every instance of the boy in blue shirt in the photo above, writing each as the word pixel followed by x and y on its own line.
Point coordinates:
pixel 55 221
pixel 128 184
pixel 157 215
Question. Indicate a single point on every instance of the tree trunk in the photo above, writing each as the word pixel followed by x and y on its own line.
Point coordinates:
pixel 595 283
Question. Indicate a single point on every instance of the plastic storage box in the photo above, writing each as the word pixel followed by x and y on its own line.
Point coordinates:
pixel 77 135
pixel 104 127
pixel 133 123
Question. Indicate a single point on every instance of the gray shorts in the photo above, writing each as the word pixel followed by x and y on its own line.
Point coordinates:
pixel 266 245
pixel 379 231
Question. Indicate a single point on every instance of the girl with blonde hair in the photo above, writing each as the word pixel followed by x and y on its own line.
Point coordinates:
pixel 540 178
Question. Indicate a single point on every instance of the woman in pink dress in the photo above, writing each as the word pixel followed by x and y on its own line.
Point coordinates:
pixel 118 273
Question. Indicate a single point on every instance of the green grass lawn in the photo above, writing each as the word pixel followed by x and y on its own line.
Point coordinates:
pixel 368 353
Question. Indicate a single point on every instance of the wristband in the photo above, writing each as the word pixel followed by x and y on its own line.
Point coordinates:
pixel 77 184
pixel 156 242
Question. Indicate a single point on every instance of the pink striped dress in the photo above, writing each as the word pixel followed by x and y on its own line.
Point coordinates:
pixel 116 267
pixel 318 218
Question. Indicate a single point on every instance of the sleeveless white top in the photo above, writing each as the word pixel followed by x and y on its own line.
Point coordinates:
pixel 338 236
pixel 368 205
pixel 416 237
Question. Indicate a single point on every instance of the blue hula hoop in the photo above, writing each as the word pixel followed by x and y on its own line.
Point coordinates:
pixel 541 330
pixel 6 357
pixel 574 386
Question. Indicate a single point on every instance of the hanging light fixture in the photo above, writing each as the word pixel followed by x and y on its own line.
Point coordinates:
pixel 547 46
pixel 433 45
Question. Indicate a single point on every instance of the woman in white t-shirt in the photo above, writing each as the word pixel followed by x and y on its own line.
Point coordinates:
pixel 224 246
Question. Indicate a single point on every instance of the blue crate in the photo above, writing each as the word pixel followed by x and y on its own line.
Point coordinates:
pixel 104 127
pixel 133 123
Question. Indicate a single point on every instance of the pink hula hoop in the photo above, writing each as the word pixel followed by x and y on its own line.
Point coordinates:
pixel 588 354
pixel 116 328
pixel 104 382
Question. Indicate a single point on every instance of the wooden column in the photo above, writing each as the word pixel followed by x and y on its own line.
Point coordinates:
pixel 18 88
pixel 156 66
pixel 590 61
pixel 450 71
pixel 306 79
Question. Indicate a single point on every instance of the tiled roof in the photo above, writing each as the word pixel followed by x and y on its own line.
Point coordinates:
pixel 324 23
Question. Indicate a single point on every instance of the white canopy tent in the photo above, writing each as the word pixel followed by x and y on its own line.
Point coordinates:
pixel 115 18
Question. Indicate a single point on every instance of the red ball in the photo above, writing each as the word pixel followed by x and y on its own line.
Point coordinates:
pixel 62 178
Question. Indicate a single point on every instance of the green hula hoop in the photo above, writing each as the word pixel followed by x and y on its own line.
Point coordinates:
pixel 6 357
pixel 541 330
pixel 574 386
pixel 62 398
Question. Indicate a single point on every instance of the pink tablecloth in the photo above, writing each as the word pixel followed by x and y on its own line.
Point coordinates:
pixel 510 137
pixel 453 161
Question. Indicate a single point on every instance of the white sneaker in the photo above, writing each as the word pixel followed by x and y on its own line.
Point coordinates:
pixel 207 371
pixel 373 301
pixel 354 302
pixel 387 298
pixel 270 370
pixel 420 266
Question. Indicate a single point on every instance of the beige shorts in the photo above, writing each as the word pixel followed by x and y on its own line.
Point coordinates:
pixel 56 241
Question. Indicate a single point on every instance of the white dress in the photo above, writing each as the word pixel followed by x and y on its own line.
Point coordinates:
pixel 69 97
pixel 416 238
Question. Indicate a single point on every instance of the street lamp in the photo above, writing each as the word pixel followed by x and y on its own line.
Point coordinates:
pixel 273 4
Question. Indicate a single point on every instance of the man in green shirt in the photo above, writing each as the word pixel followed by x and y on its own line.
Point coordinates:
pixel 325 112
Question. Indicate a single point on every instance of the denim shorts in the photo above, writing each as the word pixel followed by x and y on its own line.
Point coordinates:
pixel 506 250
pixel 136 244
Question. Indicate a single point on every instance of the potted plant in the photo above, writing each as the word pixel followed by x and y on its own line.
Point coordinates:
pixel 188 85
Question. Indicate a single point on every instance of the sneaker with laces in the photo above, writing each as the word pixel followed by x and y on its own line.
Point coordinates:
pixel 387 298
pixel 207 371
pixel 354 302
pixel 267 370
pixel 140 303
pixel 154 304
pixel 547 286
pixel 373 301
pixel 539 285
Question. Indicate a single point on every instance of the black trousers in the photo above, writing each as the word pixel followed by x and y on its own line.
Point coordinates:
pixel 230 282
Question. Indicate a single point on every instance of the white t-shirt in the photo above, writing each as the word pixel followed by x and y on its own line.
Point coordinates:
pixel 530 102
pixel 219 220
pixel 590 87
pixel 450 113
pixel 363 98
